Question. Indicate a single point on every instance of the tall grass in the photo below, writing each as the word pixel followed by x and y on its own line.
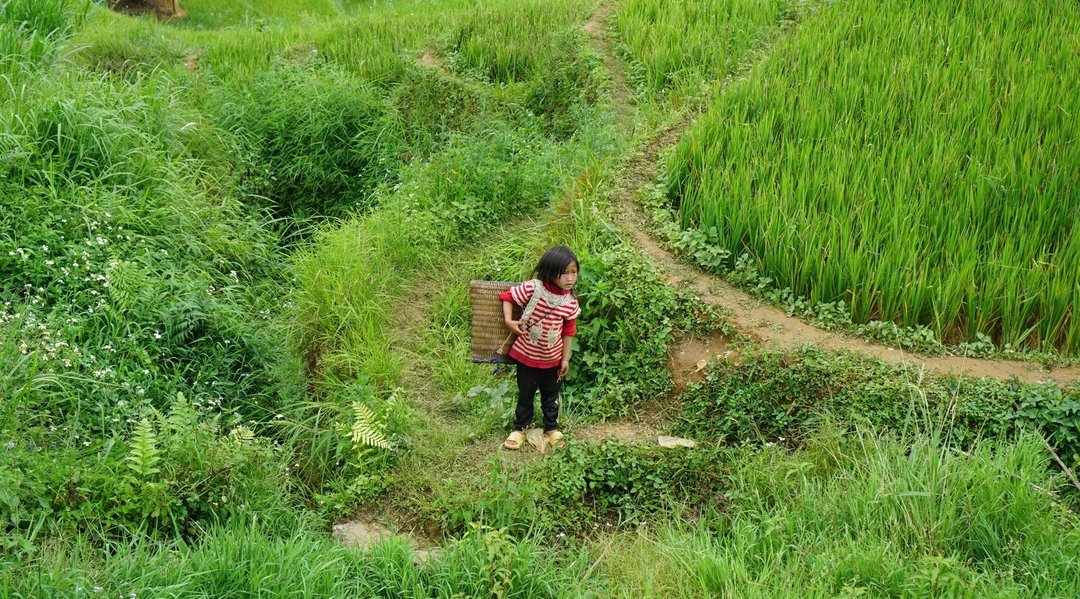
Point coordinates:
pixel 867 515
pixel 685 46
pixel 245 559
pixel 918 162
pixel 511 42
pixel 31 32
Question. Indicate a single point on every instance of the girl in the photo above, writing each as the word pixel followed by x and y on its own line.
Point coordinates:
pixel 545 331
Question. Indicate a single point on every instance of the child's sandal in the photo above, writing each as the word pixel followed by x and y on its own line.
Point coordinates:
pixel 515 440
pixel 554 438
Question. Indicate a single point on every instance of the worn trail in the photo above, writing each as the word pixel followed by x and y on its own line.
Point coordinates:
pixel 751 317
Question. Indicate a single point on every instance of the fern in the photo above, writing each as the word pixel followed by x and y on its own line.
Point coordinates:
pixel 365 430
pixel 182 416
pixel 125 284
pixel 242 435
pixel 144 456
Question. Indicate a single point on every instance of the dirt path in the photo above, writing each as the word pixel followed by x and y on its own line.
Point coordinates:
pixel 621 94
pixel 759 321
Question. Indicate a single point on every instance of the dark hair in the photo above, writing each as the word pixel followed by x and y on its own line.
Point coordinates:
pixel 554 262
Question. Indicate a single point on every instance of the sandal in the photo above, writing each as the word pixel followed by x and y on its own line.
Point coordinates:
pixel 554 438
pixel 514 440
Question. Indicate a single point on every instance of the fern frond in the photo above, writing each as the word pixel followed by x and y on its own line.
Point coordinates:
pixel 242 435
pixel 182 415
pixel 144 456
pixel 366 430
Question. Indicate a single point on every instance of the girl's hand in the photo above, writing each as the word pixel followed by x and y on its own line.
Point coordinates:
pixel 515 325
pixel 563 368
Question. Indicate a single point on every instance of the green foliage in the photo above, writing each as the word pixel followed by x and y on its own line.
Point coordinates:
pixel 629 317
pixel 770 397
pixel 563 93
pixel 347 283
pixel 865 515
pixel 232 560
pixel 687 45
pixel 364 431
pixel 176 474
pixel 587 484
pixel 507 42
pixel 320 139
pixel 1053 411
pixel 31 34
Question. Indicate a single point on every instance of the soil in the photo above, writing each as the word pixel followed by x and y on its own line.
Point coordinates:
pixel 162 9
pixel 621 94
pixel 191 61
pixel 689 357
pixel 636 432
pixel 430 60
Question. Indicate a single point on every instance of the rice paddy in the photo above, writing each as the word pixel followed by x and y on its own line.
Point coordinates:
pixel 917 161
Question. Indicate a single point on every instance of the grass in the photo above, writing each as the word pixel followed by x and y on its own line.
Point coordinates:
pixel 865 515
pixel 927 186
pixel 679 49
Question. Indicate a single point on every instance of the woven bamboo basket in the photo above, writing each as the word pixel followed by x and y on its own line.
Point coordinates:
pixel 490 337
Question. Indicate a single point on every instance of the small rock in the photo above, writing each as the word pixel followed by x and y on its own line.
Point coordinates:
pixel 674 442
pixel 422 556
pixel 360 534
pixel 536 438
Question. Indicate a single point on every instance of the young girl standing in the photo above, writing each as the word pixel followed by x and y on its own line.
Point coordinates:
pixel 545 331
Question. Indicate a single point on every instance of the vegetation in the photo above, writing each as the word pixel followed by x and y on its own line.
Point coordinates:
pixel 684 47
pixel 234 260
pixel 942 168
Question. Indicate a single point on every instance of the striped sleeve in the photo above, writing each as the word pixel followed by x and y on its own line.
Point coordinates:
pixel 520 294
pixel 575 311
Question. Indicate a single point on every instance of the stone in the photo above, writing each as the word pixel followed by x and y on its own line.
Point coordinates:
pixel 536 438
pixel 664 441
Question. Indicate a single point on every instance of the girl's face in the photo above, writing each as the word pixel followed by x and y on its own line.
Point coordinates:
pixel 568 277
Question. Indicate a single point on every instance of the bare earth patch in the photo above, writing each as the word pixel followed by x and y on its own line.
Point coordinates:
pixel 363 534
pixel 162 9
pixel 689 357
pixel 430 60
pixel 191 61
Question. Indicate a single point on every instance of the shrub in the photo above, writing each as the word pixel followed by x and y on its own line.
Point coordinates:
pixel 320 140
pixel 769 396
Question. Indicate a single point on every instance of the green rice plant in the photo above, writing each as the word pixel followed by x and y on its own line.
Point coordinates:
pixel 680 47
pixel 507 42
pixel 909 160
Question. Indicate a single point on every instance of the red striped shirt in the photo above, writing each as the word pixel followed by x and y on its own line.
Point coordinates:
pixel 544 352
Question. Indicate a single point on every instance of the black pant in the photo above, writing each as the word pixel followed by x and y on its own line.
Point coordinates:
pixel 528 380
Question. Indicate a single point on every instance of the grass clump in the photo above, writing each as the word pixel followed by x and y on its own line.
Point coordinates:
pixel 232 560
pixel 320 141
pixel 32 33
